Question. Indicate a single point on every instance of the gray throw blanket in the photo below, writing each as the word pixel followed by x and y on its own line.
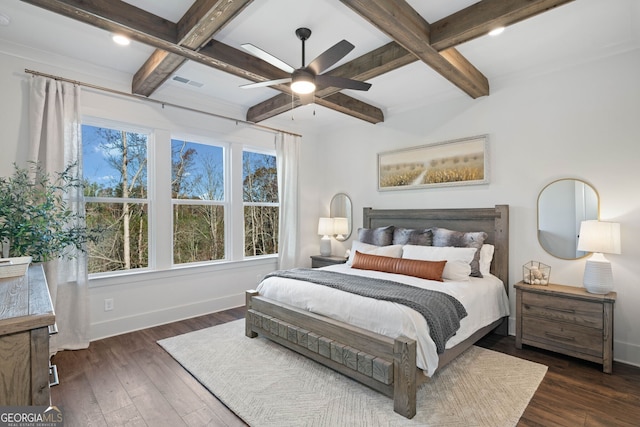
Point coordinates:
pixel 441 311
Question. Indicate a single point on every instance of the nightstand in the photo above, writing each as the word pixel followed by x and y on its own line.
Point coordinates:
pixel 318 261
pixel 567 320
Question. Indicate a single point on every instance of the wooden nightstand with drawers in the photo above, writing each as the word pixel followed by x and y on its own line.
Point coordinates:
pixel 567 320
pixel 318 261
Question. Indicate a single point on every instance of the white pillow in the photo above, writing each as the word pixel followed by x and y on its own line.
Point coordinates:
pixel 486 256
pixel 458 265
pixel 394 251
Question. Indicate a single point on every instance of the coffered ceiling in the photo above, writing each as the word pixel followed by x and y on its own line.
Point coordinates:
pixel 408 50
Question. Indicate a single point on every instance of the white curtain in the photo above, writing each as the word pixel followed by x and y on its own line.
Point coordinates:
pixel 287 159
pixel 55 142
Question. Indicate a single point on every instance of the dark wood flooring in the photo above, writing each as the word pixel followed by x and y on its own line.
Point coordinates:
pixel 129 380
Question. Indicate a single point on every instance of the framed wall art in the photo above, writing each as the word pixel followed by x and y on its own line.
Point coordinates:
pixel 462 161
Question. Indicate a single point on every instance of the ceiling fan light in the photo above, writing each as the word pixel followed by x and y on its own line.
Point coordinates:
pixel 303 87
pixel 303 82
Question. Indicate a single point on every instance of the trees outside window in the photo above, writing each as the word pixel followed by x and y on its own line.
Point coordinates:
pixel 198 198
pixel 116 193
pixel 132 182
pixel 261 207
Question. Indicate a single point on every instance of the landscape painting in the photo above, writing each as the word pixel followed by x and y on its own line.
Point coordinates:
pixel 458 162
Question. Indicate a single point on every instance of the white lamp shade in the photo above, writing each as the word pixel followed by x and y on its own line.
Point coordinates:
pixel 599 236
pixel 325 227
pixel 340 225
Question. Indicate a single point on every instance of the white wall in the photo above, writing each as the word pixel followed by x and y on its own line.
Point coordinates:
pixel 141 299
pixel 582 122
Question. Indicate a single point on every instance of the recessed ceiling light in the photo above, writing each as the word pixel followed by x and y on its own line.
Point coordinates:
pixel 4 20
pixel 496 31
pixel 121 40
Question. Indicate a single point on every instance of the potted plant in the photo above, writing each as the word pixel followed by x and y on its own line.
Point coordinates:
pixel 35 219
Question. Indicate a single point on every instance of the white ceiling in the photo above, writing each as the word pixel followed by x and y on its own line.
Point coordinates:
pixel 574 33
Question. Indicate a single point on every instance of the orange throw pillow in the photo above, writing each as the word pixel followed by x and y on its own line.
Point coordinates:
pixel 431 270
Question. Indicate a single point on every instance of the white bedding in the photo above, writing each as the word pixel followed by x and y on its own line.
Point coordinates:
pixel 484 299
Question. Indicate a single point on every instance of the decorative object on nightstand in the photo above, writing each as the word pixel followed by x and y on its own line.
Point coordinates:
pixel 600 238
pixel 325 229
pixel 318 261
pixel 536 273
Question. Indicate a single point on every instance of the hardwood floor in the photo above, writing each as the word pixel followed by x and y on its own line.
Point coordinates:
pixel 129 380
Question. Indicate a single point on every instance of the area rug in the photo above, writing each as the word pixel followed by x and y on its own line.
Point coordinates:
pixel 268 385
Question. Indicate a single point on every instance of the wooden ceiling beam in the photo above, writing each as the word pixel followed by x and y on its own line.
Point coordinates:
pixel 201 22
pixel 403 24
pixel 480 18
pixel 147 28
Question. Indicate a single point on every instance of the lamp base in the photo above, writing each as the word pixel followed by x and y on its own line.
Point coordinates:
pixel 325 246
pixel 598 277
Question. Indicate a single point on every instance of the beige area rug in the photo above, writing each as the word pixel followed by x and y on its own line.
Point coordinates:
pixel 268 385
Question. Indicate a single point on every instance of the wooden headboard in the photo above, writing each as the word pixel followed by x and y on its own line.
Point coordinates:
pixel 493 221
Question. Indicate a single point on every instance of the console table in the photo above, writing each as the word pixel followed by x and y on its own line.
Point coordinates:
pixel 26 313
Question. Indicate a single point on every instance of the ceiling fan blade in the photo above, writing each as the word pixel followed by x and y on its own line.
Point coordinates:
pixel 341 82
pixel 266 83
pixel 306 98
pixel 330 56
pixel 267 57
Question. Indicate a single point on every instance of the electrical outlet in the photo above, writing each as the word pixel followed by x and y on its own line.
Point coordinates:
pixel 108 304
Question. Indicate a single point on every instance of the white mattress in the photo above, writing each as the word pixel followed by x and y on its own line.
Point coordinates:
pixel 484 299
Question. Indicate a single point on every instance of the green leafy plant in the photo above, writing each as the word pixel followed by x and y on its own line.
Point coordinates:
pixel 35 219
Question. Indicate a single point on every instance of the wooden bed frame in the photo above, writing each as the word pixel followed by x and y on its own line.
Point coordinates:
pixel 385 364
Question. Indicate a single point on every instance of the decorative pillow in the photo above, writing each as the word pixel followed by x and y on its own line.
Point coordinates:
pixel 459 239
pixel 381 236
pixel 410 236
pixel 486 256
pixel 458 260
pixel 394 251
pixel 430 270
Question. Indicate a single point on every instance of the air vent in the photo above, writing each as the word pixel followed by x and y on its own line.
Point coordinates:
pixel 187 81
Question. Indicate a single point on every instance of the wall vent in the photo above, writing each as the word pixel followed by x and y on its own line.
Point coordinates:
pixel 187 81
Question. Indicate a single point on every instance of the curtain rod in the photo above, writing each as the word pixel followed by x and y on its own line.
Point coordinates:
pixel 143 98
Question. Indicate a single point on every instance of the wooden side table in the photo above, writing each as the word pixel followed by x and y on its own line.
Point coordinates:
pixel 318 261
pixel 25 318
pixel 567 320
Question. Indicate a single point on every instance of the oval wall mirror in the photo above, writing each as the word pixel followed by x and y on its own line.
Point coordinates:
pixel 562 205
pixel 340 210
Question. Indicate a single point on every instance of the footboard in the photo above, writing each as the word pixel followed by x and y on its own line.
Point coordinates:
pixel 382 363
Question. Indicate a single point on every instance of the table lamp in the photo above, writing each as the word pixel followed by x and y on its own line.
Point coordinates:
pixel 325 229
pixel 340 228
pixel 600 238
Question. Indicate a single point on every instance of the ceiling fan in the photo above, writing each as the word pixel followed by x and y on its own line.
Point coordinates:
pixel 305 79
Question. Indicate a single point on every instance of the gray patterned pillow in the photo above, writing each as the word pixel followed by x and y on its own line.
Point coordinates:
pixel 410 236
pixel 459 239
pixel 381 236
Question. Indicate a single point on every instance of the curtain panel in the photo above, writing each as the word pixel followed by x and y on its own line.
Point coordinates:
pixel 287 160
pixel 55 142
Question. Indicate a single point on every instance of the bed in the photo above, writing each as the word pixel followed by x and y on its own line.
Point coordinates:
pixel 388 363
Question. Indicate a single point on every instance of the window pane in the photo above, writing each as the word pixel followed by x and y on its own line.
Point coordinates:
pixel 124 243
pixel 259 177
pixel 260 230
pixel 114 162
pixel 198 233
pixel 197 171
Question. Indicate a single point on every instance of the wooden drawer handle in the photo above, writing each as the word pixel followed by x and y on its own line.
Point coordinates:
pixel 559 337
pixel 564 310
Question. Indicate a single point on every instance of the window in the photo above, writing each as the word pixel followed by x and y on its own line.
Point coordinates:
pixel 116 193
pixel 164 200
pixel 261 207
pixel 198 198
